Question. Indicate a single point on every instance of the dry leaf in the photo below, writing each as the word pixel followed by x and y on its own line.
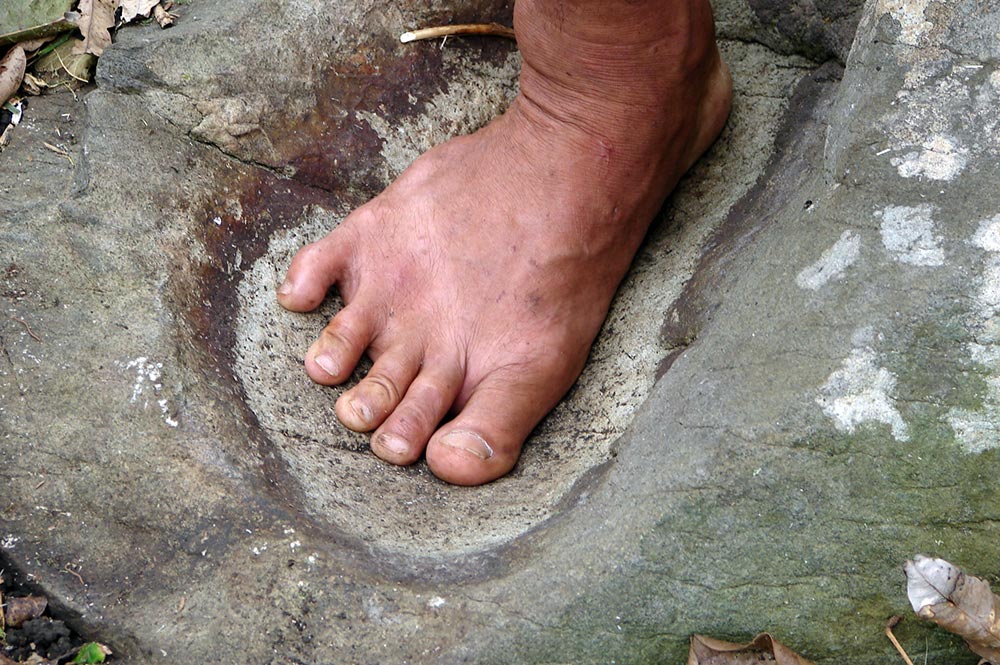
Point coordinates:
pixel 62 65
pixel 133 8
pixel 763 649
pixel 34 85
pixel 163 17
pixel 97 17
pixel 19 610
pixel 957 602
pixel 35 44
pixel 11 73
pixel 25 19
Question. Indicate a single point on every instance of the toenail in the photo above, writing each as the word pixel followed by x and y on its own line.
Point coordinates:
pixel 285 288
pixel 470 442
pixel 328 364
pixel 393 444
pixel 361 410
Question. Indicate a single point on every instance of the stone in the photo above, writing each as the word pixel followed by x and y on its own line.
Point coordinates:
pixel 795 391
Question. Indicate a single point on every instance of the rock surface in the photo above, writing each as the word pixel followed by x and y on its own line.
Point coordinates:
pixel 796 389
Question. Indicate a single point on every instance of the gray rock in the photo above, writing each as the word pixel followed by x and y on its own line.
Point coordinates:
pixel 817 303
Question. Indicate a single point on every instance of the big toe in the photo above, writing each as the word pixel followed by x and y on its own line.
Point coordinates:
pixel 483 442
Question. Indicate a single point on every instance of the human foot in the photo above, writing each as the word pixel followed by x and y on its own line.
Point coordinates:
pixel 478 280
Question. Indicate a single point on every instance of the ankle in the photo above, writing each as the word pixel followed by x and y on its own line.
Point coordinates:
pixel 595 64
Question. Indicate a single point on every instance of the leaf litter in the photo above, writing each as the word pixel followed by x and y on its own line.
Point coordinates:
pixel 29 635
pixel 46 44
pixel 965 605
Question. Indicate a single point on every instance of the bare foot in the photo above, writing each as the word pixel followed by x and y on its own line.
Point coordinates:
pixel 478 280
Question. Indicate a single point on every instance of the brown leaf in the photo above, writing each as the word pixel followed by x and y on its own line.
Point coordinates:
pixel 19 610
pixel 34 85
pixel 63 65
pixel 35 44
pixel 11 73
pixel 762 649
pixel 133 8
pixel 961 603
pixel 163 17
pixel 97 17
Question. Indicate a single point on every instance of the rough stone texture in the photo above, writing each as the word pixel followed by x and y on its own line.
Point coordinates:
pixel 818 300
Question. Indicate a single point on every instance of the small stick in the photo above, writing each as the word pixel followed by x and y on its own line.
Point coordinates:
pixel 59 151
pixel 26 327
pixel 889 625
pixel 494 29
pixel 67 569
pixel 66 69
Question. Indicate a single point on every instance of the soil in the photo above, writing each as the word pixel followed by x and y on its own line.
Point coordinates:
pixel 47 637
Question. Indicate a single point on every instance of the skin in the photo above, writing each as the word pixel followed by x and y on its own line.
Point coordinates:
pixel 479 279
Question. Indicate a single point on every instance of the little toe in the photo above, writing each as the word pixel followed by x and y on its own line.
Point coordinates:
pixel 484 441
pixel 403 436
pixel 366 406
pixel 315 268
pixel 332 357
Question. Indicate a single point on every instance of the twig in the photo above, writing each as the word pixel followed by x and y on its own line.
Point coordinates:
pixel 889 625
pixel 494 29
pixel 26 327
pixel 59 151
pixel 67 569
pixel 66 69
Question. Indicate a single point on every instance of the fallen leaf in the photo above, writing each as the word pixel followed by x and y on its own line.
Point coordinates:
pixel 961 603
pixel 133 8
pixel 14 34
pixel 91 652
pixel 11 73
pixel 63 63
pixel 762 649
pixel 34 85
pixel 19 610
pixel 163 17
pixel 97 18
pixel 16 16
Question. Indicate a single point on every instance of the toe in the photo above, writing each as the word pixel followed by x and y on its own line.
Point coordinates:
pixel 403 436
pixel 332 357
pixel 315 268
pixel 484 441
pixel 366 406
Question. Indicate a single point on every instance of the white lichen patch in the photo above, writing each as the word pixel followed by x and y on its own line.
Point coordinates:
pixel 944 115
pixel 988 235
pixel 908 235
pixel 861 392
pixel 940 158
pixel 147 376
pixel 911 17
pixel 148 386
pixel 978 431
pixel 832 263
